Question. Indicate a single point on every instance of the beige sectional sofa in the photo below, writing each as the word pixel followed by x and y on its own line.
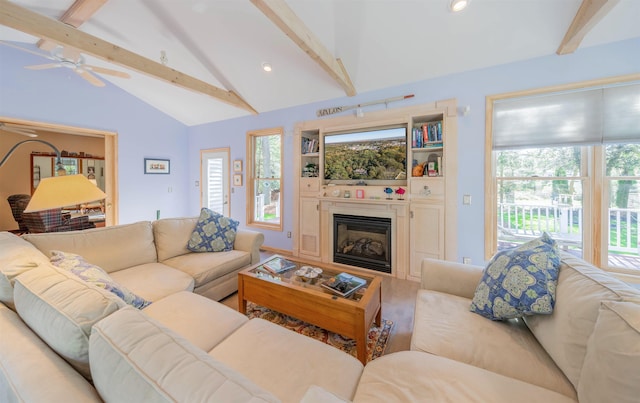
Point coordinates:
pixel 588 350
pixel 152 260
pixel 67 340
pixel 64 339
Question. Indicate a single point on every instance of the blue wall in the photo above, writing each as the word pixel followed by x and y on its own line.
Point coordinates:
pixel 61 96
pixel 468 88
pixel 58 96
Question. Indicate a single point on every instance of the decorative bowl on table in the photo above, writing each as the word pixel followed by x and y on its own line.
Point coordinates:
pixel 307 273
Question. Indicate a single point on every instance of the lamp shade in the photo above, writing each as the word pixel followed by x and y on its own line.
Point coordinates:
pixel 63 191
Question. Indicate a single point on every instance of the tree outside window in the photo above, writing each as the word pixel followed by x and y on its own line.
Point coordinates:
pixel 264 148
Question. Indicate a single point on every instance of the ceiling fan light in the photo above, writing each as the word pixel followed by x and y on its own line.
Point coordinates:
pixel 458 5
pixel 266 67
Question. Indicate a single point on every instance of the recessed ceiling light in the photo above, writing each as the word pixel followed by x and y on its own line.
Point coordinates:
pixel 458 5
pixel 266 67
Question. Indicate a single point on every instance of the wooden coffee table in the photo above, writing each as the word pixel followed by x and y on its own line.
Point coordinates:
pixel 306 300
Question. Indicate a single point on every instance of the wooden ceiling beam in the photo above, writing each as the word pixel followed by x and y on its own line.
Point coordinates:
pixel 588 15
pixel 27 21
pixel 283 16
pixel 79 13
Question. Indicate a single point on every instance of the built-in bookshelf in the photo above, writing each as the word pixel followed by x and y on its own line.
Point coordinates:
pixel 309 153
pixel 421 212
pixel 427 148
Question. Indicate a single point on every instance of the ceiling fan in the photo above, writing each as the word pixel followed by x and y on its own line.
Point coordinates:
pixel 71 58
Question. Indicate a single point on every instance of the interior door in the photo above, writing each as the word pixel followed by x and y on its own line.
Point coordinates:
pixel 214 183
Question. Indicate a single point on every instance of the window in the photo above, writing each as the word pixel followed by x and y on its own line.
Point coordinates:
pixel 264 171
pixel 566 162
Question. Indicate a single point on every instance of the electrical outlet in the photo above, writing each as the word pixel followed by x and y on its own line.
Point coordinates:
pixel 197 183
pixel 466 260
pixel 170 189
pixel 289 234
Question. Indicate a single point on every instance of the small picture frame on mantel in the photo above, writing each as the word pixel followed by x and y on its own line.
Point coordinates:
pixel 237 180
pixel 237 166
pixel 156 166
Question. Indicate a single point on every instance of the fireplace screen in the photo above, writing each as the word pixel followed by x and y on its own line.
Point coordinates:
pixel 362 241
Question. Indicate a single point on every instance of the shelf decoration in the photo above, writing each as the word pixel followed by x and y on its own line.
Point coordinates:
pixel 389 192
pixel 400 192
pixel 338 109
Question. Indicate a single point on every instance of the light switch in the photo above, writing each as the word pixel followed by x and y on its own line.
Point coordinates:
pixel 466 199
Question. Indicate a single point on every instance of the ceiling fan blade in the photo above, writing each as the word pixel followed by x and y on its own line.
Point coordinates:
pixel 23 132
pixel 90 77
pixel 110 72
pixel 27 50
pixel 43 66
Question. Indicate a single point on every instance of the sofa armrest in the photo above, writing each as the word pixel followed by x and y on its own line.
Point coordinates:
pixel 450 277
pixel 249 241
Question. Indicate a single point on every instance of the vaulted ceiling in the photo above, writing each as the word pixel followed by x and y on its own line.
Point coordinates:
pixel 201 60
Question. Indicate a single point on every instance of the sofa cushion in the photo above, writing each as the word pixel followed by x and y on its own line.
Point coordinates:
pixel 412 376
pixel 61 309
pixel 31 372
pixel 564 334
pixel 287 363
pixel 153 281
pixel 172 236
pixel 519 281
pixel 95 275
pixel 112 248
pixel 205 267
pixel 316 394
pixel 213 233
pixel 135 359
pixel 16 257
pixel 611 370
pixel 202 321
pixel 444 326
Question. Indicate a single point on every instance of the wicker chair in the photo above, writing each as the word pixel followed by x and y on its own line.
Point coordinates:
pixel 54 221
pixel 18 203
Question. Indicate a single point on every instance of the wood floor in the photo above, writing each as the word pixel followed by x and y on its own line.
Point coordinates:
pixel 398 303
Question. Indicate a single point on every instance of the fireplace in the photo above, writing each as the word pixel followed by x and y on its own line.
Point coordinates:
pixel 362 241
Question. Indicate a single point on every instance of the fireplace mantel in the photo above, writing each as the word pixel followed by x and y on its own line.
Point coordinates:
pixel 396 210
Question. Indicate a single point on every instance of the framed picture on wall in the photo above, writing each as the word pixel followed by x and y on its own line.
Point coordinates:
pixel 156 166
pixel 237 166
pixel 237 180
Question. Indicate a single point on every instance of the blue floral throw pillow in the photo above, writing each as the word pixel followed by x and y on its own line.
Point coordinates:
pixel 95 275
pixel 519 281
pixel 213 233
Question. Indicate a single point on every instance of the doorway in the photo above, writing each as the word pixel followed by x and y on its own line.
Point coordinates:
pixel 214 180
pixel 110 155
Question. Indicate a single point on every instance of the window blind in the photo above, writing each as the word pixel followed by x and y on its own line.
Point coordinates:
pixel 215 182
pixel 596 115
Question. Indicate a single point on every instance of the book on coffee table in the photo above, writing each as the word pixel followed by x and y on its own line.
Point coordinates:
pixel 278 265
pixel 344 284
